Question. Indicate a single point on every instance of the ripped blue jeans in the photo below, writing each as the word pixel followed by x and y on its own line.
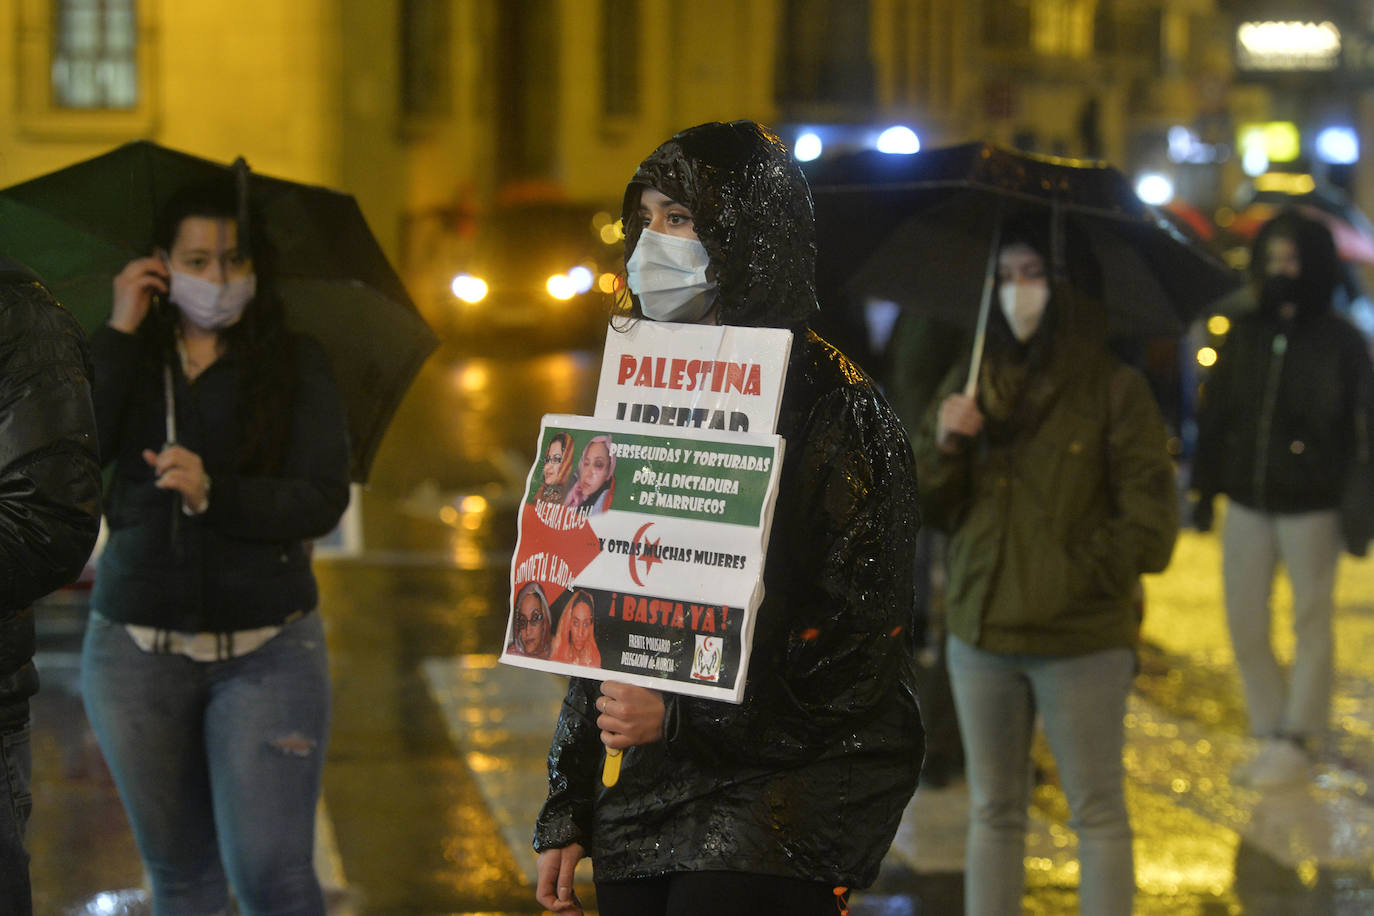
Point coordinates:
pixel 218 765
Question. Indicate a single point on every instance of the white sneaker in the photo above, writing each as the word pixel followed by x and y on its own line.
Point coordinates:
pixel 1280 763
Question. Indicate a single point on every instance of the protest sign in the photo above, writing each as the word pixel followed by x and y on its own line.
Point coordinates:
pixel 641 558
pixel 694 376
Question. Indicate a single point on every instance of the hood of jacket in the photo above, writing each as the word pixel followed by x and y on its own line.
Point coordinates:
pixel 1318 275
pixel 751 208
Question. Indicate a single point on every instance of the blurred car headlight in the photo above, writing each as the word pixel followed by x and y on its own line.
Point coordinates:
pixel 469 288
pixel 561 286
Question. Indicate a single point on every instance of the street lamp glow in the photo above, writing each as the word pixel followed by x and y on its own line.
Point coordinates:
pixel 1206 357
pixel 469 288
pixel 1338 145
pixel 900 140
pixel 1218 325
pixel 807 147
pixel 560 286
pixel 1288 45
pixel 1155 189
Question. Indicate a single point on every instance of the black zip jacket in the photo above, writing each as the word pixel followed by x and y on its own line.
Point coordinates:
pixel 1276 424
pixel 245 562
pixel 49 477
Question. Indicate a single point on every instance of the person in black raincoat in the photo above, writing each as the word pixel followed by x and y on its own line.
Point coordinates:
pixel 49 519
pixel 778 804
pixel 1277 433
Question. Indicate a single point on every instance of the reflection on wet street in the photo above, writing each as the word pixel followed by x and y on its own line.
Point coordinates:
pixel 435 765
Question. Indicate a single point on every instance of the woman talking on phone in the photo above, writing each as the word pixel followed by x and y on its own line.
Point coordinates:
pixel 203 669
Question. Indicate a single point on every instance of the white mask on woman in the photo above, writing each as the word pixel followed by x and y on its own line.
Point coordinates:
pixel 668 274
pixel 211 305
pixel 1023 304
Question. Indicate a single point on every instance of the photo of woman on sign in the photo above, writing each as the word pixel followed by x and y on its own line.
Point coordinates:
pixel 556 469
pixel 532 624
pixel 595 484
pixel 575 641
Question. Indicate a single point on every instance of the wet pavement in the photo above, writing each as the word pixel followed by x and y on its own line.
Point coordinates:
pixel 435 765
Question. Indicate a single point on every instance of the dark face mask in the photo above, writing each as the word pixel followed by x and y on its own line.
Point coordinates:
pixel 1278 290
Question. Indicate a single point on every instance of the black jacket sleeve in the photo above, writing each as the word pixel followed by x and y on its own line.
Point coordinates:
pixel 49 476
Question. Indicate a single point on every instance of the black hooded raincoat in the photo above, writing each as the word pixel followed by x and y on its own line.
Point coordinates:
pixel 808 777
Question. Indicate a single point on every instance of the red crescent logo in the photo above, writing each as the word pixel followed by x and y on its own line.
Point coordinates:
pixel 635 540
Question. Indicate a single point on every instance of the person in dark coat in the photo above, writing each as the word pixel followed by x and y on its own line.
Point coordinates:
pixel 203 669
pixel 1277 432
pixel 49 519
pixel 778 804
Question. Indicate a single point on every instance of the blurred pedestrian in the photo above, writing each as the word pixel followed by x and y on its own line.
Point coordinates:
pixel 1056 490
pixel 203 668
pixel 919 353
pixel 778 804
pixel 1277 434
pixel 49 519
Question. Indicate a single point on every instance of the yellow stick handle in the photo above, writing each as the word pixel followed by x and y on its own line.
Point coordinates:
pixel 610 770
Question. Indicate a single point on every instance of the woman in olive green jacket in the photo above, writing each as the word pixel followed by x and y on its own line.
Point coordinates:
pixel 1056 489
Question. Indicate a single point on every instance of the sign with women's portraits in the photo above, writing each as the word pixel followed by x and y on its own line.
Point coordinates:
pixel 640 553
pixel 643 531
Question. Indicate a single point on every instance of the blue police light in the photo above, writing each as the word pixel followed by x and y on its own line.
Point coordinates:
pixel 808 146
pixel 1338 145
pixel 1155 189
pixel 899 139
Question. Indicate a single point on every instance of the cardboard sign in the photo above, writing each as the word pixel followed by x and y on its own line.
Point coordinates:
pixel 690 376
pixel 650 574
pixel 643 530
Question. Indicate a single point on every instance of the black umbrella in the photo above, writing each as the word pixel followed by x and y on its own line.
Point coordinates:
pixel 920 230
pixel 77 227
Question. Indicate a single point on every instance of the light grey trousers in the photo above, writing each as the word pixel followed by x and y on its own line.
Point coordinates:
pixel 1081 701
pixel 1309 545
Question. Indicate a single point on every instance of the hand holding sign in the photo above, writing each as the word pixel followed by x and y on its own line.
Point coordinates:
pixel 630 715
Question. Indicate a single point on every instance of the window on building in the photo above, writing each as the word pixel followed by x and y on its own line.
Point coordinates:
pixel 1131 32
pixel 619 58
pixel 95 54
pixel 824 55
pixel 426 40
pixel 1007 24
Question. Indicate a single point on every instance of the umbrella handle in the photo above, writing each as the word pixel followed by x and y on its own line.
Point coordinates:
pixel 980 334
pixel 170 419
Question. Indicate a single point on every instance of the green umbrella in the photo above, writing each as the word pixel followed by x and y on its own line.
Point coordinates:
pixel 77 227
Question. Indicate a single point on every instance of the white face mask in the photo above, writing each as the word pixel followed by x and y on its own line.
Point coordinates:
pixel 209 305
pixel 668 274
pixel 1023 304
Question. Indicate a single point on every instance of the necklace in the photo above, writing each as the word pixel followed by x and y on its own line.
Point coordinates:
pixel 190 367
